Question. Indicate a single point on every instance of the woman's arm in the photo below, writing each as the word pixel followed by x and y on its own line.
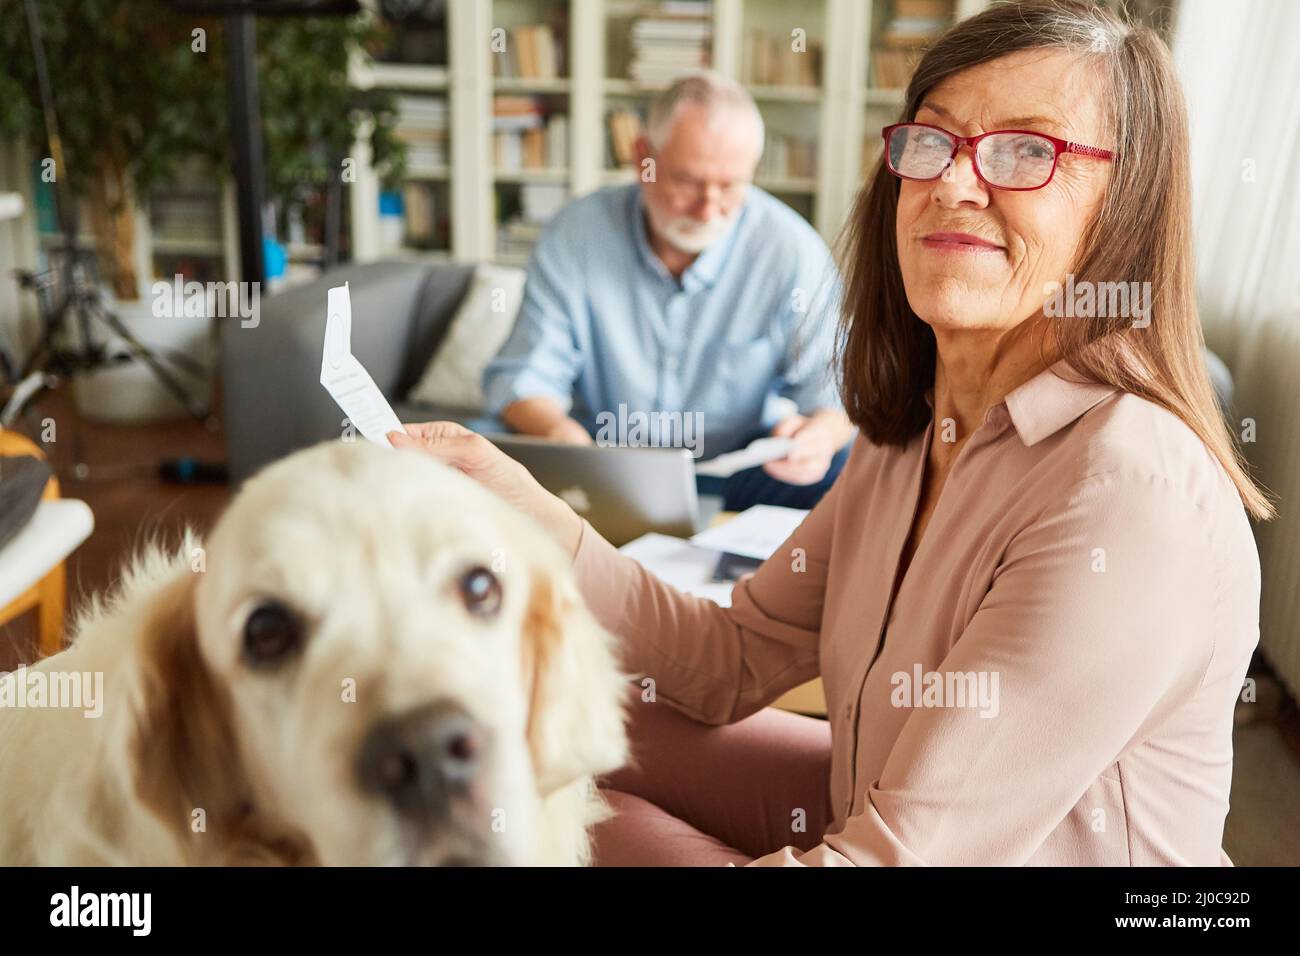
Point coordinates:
pixel 715 664
pixel 1102 621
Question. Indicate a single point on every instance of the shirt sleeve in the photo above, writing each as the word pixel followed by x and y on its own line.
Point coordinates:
pixel 717 665
pixel 813 301
pixel 1099 623
pixel 541 357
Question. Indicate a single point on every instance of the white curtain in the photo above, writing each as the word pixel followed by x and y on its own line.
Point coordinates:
pixel 1240 67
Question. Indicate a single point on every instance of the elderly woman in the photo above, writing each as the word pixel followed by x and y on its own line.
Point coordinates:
pixel 1033 593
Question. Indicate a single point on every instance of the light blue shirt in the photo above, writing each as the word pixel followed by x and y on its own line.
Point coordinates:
pixel 603 324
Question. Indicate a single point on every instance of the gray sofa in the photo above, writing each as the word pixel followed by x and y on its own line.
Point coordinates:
pixel 272 400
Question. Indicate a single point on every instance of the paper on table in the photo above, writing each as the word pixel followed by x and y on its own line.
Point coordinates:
pixel 755 533
pixel 681 564
pixel 758 452
pixel 347 380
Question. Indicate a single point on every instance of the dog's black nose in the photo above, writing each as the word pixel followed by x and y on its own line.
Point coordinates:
pixel 421 760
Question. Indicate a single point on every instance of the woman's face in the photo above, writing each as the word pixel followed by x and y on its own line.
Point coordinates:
pixel 1035 234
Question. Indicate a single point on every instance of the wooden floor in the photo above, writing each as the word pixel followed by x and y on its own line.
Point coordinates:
pixel 131 504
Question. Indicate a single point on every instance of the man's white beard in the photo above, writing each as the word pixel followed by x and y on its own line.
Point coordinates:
pixel 689 235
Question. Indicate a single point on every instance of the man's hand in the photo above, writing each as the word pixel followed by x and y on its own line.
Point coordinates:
pixel 568 431
pixel 816 440
pixel 543 417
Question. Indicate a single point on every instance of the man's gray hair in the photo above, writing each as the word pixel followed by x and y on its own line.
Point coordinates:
pixel 712 91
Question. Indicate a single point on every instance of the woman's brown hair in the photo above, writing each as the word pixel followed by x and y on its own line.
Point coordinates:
pixel 1141 234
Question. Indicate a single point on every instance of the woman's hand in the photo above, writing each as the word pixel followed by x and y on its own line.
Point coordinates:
pixel 472 454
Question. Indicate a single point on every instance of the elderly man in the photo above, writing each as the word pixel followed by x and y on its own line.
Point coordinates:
pixel 690 296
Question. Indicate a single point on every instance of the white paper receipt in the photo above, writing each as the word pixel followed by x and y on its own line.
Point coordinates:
pixel 754 533
pixel 758 452
pixel 347 380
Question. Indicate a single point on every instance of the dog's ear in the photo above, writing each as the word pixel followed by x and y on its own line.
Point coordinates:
pixel 577 698
pixel 182 745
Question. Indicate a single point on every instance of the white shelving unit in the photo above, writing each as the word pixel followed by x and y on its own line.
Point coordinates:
pixel 207 242
pixel 840 111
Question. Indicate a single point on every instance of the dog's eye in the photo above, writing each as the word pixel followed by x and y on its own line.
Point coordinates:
pixel 481 591
pixel 270 633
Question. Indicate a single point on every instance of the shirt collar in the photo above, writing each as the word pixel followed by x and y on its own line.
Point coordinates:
pixel 1046 403
pixel 707 265
pixel 1052 399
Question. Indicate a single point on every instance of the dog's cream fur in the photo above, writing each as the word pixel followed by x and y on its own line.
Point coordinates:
pixel 200 759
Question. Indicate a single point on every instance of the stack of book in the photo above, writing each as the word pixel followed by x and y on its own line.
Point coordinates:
pixel 538 202
pixel 422 126
pixel 785 157
pixel 532 53
pixel 624 128
pixel 675 39
pixel 772 60
pixel 526 137
pixel 915 25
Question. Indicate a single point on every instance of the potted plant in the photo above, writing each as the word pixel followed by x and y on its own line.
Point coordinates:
pixel 140 90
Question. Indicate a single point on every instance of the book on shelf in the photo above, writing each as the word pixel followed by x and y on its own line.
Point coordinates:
pixel 672 39
pixel 517 238
pixel 892 69
pixel 915 24
pixel 422 126
pixel 771 60
pixel 526 137
pixel 687 8
pixel 924 9
pixel 538 202
pixel 623 126
pixel 532 52
pixel 910 34
pixel 517 113
pixel 787 157
pixel 420 209
pixel 541 201
pixel 557 141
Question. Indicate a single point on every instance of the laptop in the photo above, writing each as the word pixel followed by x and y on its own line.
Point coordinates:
pixel 623 492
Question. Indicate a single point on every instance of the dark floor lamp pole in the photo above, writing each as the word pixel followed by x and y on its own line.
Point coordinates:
pixel 246 130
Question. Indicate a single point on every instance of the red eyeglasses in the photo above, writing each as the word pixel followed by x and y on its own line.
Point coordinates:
pixel 1014 159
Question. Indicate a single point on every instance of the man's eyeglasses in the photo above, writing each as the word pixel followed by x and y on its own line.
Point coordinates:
pixel 688 189
pixel 1004 159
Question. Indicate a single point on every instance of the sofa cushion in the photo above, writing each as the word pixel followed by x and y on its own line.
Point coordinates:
pixel 477 331
pixel 435 307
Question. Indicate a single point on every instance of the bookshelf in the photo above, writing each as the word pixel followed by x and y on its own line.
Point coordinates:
pixel 186 226
pixel 543 98
pixel 897 32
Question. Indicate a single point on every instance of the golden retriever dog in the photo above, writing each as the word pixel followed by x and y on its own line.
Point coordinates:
pixel 373 661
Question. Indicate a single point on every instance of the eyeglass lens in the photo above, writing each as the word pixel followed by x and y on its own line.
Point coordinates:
pixel 1009 160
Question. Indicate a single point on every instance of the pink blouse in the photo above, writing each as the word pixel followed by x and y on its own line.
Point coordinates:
pixel 1053 682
